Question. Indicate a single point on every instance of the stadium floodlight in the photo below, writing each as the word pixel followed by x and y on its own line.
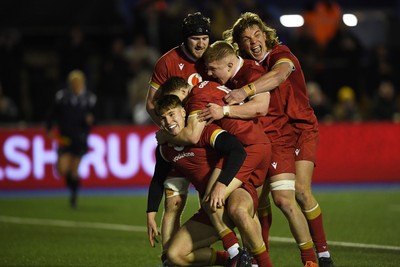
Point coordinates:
pixel 291 21
pixel 350 20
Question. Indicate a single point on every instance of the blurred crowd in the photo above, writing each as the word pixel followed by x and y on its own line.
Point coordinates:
pixel 347 81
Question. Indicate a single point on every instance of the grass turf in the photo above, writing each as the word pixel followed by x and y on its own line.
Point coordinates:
pixel 362 227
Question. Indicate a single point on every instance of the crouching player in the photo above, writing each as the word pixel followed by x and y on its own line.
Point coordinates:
pixel 190 246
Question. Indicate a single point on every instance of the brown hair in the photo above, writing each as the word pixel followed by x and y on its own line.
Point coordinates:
pixel 172 84
pixel 167 102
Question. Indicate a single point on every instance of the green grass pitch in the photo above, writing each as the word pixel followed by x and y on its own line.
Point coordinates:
pixel 362 226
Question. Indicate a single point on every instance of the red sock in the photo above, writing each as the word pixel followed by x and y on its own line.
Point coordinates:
pixel 307 252
pixel 228 238
pixel 265 217
pixel 314 219
pixel 262 257
pixel 220 258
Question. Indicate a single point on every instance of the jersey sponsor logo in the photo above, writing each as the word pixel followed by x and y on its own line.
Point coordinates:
pixel 178 148
pixel 203 84
pixel 274 165
pixel 194 79
pixel 297 151
pixel 183 155
pixel 181 65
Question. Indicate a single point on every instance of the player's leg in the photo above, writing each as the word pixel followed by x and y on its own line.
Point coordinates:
pixel 176 190
pixel 241 209
pixel 74 180
pixel 311 208
pixel 218 218
pixel 264 212
pixel 190 246
pixel 64 169
pixel 64 163
pixel 305 156
pixel 283 194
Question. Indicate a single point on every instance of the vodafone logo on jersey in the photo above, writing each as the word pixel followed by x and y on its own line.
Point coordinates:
pixel 118 156
pixel 194 79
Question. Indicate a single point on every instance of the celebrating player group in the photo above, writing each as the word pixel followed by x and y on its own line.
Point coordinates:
pixel 235 121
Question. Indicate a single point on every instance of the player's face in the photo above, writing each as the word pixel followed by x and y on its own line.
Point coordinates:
pixel 197 45
pixel 253 42
pixel 173 120
pixel 76 86
pixel 219 70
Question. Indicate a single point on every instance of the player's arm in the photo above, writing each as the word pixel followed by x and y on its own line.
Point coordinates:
pixel 189 135
pixel 150 107
pixel 228 145
pixel 155 194
pixel 232 148
pixel 267 82
pixel 257 106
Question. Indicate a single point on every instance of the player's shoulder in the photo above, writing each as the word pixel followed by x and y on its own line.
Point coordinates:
pixel 170 55
pixel 251 64
pixel 280 48
pixel 208 86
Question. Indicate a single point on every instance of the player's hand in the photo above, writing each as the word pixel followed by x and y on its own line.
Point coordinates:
pixel 51 135
pixel 212 112
pixel 236 96
pixel 89 119
pixel 216 197
pixel 162 136
pixel 152 230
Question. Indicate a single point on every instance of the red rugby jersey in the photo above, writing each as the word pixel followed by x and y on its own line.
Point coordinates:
pixel 178 62
pixel 195 162
pixel 294 91
pixel 249 132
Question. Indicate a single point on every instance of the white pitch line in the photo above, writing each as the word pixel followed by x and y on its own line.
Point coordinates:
pixel 132 228
pixel 338 243
pixel 74 224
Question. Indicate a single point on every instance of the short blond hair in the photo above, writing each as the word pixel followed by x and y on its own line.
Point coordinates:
pixel 219 50
pixel 76 74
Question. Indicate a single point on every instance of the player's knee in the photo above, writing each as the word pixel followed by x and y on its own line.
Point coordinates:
pixel 237 214
pixel 175 256
pixel 303 194
pixel 283 194
pixel 175 203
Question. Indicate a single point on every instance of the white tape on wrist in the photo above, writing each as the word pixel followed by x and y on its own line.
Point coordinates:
pixel 226 110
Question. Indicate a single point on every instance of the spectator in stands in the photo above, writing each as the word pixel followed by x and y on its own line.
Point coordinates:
pixel 385 106
pixel 73 52
pixel 323 20
pixel 141 58
pixel 319 102
pixel 8 109
pixel 346 107
pixel 113 83
pixel 10 66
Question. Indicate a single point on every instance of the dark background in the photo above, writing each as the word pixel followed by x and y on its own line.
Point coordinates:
pixel 37 52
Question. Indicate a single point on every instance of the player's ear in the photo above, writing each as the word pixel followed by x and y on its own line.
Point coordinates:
pixel 230 65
